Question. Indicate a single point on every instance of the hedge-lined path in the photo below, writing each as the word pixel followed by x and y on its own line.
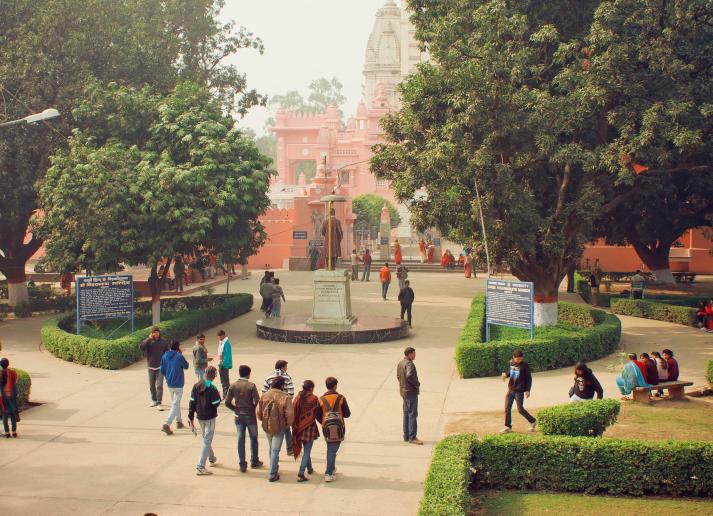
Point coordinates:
pixel 95 447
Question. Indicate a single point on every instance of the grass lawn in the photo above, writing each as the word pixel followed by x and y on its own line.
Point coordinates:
pixel 117 328
pixel 509 333
pixel 514 502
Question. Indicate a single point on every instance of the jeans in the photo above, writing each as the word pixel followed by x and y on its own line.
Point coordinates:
pixel 275 312
pixel 406 309
pixel 306 463
pixel 200 374
pixel 355 272
pixel 179 283
pixel 519 398
pixel 410 416
pixel 12 416
pixel 288 439
pixel 384 289
pixel 156 385
pixel 175 412
pixel 224 379
pixel 208 431
pixel 402 283
pixel 243 423
pixel 275 443
pixel 367 270
pixel 332 449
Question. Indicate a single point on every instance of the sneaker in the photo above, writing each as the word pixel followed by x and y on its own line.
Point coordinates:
pixel 416 441
pixel 243 469
pixel 153 404
pixel 180 425
pixel 290 453
pixel 330 478
pixel 505 430
pixel 7 435
pixel 213 463
pixel 302 478
pixel 275 478
pixel 14 434
pixel 256 465
pixel 166 429
pixel 203 471
pixel 310 471
pixel 533 426
pixel 159 407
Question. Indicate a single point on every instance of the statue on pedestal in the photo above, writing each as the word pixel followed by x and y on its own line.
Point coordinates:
pixel 333 234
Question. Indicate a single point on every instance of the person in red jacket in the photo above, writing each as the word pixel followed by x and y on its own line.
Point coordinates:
pixel 641 364
pixel 672 365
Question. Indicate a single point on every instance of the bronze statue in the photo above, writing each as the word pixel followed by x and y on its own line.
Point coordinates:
pixel 333 240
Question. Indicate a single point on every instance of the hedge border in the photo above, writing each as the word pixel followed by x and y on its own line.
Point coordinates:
pixel 648 309
pixel 24 386
pixel 600 336
pixel 586 419
pixel 118 353
pixel 446 490
pixel 709 373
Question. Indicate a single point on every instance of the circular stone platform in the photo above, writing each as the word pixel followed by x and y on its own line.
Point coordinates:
pixel 367 329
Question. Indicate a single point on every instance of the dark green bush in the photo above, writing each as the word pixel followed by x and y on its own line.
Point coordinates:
pixel 118 353
pixel 24 386
pixel 709 373
pixel 583 288
pixel 445 492
pixel 598 336
pixel 587 418
pixel 654 310
pixel 595 466
pixel 23 310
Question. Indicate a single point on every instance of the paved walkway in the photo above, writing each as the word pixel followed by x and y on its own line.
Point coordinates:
pixel 95 447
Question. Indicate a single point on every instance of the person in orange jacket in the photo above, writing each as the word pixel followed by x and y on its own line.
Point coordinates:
pixel 385 276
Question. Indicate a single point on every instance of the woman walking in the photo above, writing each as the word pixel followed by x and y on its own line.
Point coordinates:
pixel 304 429
pixel 8 398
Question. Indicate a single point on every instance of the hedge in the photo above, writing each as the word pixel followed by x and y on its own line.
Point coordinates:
pixel 598 337
pixel 586 419
pixel 118 353
pixel 709 373
pixel 654 310
pixel 595 466
pixel 24 386
pixel 445 492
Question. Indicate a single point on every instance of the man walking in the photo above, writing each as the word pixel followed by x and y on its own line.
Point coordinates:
pixel 278 296
pixel 204 404
pixel 288 387
pixel 406 297
pixel 355 265
pixel 385 277
pixel 519 383
pixel 367 265
pixel 409 388
pixel 266 292
pixel 331 412
pixel 276 412
pixel 172 365
pixel 225 364
pixel 244 392
pixel 200 357
pixel 155 347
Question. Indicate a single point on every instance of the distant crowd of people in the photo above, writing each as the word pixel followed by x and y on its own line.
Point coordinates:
pixel 205 264
pixel 704 315
pixel 294 420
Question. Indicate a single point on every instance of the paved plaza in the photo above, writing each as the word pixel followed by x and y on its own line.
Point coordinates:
pixel 95 447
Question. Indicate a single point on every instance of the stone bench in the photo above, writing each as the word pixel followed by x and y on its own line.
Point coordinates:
pixel 675 391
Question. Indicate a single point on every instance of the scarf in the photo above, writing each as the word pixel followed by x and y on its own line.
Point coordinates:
pixel 305 414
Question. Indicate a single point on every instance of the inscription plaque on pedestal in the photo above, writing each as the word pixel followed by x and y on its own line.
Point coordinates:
pixel 332 299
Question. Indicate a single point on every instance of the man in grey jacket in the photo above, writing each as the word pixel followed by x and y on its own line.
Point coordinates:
pixel 200 357
pixel 409 388
pixel 154 347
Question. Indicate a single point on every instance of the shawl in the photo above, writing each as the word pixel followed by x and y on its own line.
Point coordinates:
pixel 305 416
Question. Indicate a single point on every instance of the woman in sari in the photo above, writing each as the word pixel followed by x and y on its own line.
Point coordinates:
pixel 8 398
pixel 422 250
pixel 398 257
pixel 431 252
pixel 468 265
pixel 304 429
pixel 630 378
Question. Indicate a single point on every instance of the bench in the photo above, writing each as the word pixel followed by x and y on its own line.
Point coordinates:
pixel 684 277
pixel 675 391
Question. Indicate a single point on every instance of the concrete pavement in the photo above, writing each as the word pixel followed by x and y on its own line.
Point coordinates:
pixel 95 447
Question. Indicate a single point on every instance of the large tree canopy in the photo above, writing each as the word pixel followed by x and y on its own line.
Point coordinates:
pixel 155 175
pixel 51 49
pixel 367 208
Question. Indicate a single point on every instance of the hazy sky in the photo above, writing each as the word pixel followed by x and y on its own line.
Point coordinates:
pixel 304 40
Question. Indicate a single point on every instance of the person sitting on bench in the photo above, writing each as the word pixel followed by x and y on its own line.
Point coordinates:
pixel 630 378
pixel 637 285
pixel 672 365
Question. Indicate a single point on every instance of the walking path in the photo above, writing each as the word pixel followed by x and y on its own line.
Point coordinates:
pixel 95 447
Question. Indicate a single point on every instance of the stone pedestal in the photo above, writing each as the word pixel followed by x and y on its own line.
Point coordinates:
pixel 332 299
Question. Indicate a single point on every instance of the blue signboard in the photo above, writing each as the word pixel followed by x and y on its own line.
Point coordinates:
pixel 299 235
pixel 509 303
pixel 105 297
pixel 384 240
pixel 436 241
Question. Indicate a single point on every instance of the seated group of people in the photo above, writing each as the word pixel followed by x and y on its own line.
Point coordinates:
pixel 647 371
pixel 704 315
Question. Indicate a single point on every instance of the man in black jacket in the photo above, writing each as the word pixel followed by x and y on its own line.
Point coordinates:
pixel 406 297
pixel 519 384
pixel 409 388
pixel 155 347
pixel 205 399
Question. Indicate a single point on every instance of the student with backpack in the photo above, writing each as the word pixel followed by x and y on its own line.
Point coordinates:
pixel 276 413
pixel 205 399
pixel 331 412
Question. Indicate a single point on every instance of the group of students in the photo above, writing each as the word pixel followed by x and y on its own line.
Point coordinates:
pixel 272 295
pixel 704 315
pixel 647 371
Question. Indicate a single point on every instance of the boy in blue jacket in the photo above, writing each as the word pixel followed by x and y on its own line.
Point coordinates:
pixel 173 364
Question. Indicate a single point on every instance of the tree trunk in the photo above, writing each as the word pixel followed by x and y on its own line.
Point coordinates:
pixel 546 285
pixel 655 257
pixel 14 271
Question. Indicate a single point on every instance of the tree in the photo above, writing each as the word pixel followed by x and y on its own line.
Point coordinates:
pixel 503 109
pixel 51 49
pixel 154 176
pixel 367 208
pixel 322 94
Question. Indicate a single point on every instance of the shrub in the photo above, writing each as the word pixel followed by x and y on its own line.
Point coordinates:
pixel 445 492
pixel 583 288
pixel 709 373
pixel 595 466
pixel 587 419
pixel 24 385
pixel 23 309
pixel 654 310
pixel 598 336
pixel 118 353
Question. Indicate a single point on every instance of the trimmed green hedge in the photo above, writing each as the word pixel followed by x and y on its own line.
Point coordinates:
pixel 24 386
pixel 445 492
pixel 709 373
pixel 586 419
pixel 595 466
pixel 118 353
pixel 654 310
pixel 599 336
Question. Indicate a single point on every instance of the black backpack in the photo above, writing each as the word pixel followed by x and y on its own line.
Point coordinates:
pixel 333 426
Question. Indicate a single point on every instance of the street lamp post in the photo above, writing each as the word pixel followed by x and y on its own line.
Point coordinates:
pixel 34 118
